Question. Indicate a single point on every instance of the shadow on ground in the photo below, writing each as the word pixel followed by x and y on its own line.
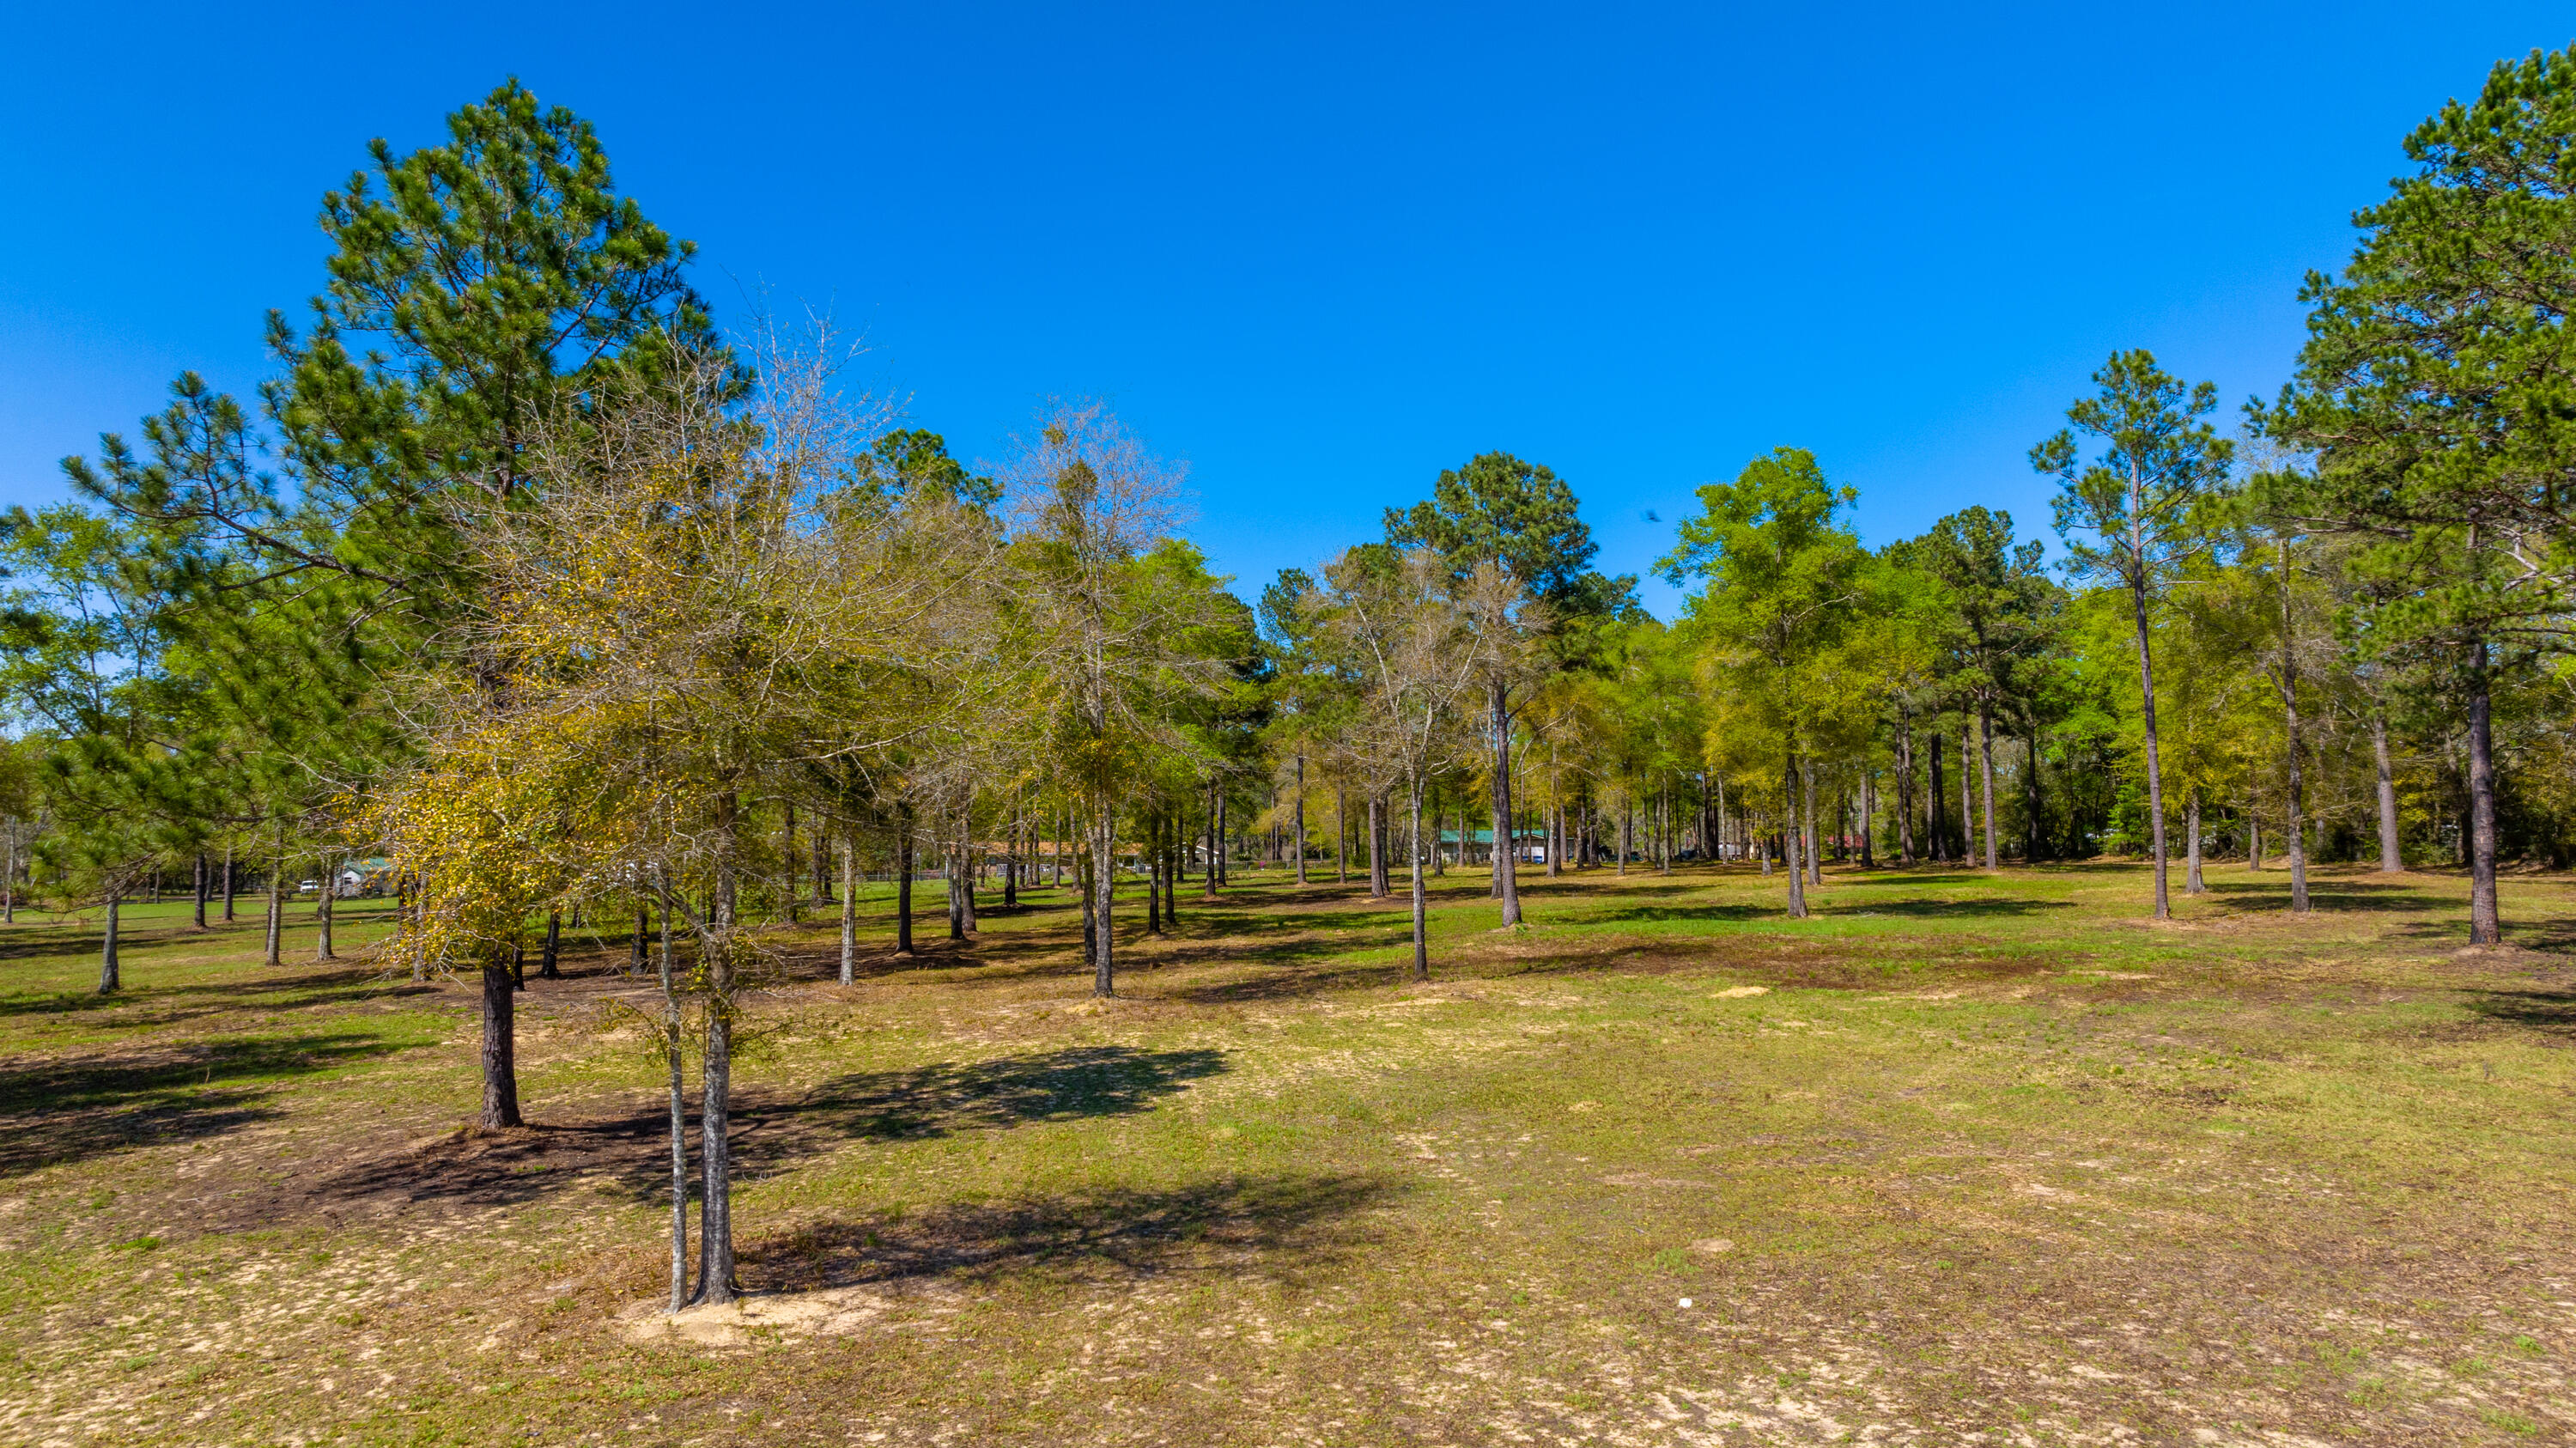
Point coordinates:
pixel 70 1109
pixel 629 1154
pixel 2550 1011
pixel 1301 1223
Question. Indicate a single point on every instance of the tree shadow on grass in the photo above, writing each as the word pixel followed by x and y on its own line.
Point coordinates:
pixel 2326 894
pixel 1675 914
pixel 948 1097
pixel 61 1110
pixel 629 1153
pixel 1297 1222
pixel 2552 1012
pixel 1823 903
pixel 161 1005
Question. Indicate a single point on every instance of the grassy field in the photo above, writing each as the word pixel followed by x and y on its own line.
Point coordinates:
pixel 1966 1159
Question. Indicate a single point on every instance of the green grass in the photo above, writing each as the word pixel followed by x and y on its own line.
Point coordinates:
pixel 1982 1154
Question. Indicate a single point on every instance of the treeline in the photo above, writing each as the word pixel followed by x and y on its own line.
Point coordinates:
pixel 588 616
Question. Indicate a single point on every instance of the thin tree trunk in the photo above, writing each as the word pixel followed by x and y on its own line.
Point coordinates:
pixel 1301 818
pixel 716 1284
pixel 1627 828
pixel 1153 875
pixel 1506 872
pixel 956 895
pixel 849 912
pixel 204 881
pixel 903 880
pixel 1815 866
pixel 1904 789
pixel 2191 881
pixel 109 977
pixel 228 879
pixel 1421 934
pixel 547 968
pixel 2032 831
pixel 672 1053
pixel 1790 842
pixel 500 1066
pixel 1210 878
pixel 2298 835
pixel 2253 842
pixel 787 858
pixel 2486 926
pixel 1986 765
pixel 1967 806
pixel 1104 888
pixel 2391 861
pixel 2147 717
pixel 330 892
pixel 970 860
pixel 1378 889
pixel 1936 826
pixel 2290 716
pixel 276 913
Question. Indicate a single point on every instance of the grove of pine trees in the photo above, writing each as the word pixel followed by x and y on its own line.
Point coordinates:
pixel 599 622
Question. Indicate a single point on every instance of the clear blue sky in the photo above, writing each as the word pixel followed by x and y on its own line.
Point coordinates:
pixel 1318 252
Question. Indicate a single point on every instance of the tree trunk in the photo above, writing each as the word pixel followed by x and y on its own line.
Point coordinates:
pixel 1104 889
pixel 322 914
pixel 2191 881
pixel 1084 868
pixel 2032 831
pixel 1421 935
pixel 956 898
pixel 1153 874
pixel 1011 865
pixel 1934 825
pixel 787 858
pixel 1868 816
pixel 822 865
pixel 903 881
pixel 1301 818
pixel 1506 876
pixel 2147 718
pixel 276 914
pixel 716 1281
pixel 1986 769
pixel 2486 926
pixel 849 912
pixel 547 964
pixel 204 881
pixel 2391 861
pixel 2298 810
pixel 1224 876
pixel 970 862
pixel 1807 781
pixel 228 880
pixel 1378 887
pixel 1790 842
pixel 1209 878
pixel 643 932
pixel 2253 842
pixel 672 1054
pixel 1904 790
pixel 1627 828
pixel 109 978
pixel 500 1065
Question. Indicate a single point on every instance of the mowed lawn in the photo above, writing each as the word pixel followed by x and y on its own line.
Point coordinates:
pixel 1966 1158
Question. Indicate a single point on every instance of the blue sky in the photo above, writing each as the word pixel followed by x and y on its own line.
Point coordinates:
pixel 1319 252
